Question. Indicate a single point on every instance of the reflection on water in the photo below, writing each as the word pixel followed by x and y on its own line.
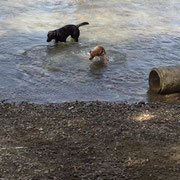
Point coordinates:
pixel 168 98
pixel 137 35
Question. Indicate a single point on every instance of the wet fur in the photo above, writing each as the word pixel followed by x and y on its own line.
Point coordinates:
pixel 61 34
pixel 98 51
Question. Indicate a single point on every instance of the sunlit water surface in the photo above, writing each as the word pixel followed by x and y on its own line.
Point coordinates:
pixel 137 35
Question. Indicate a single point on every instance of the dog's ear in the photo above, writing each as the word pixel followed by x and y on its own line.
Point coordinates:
pixel 50 32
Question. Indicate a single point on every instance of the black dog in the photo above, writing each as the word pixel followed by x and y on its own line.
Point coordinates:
pixel 61 34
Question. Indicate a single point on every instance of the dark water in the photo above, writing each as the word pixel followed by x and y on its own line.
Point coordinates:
pixel 137 35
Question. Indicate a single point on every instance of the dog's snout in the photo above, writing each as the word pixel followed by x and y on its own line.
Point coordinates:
pixel 48 40
pixel 90 58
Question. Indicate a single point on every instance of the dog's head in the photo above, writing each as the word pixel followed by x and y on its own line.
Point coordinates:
pixel 50 36
pixel 97 51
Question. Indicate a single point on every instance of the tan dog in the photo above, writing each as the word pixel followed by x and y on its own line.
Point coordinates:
pixel 98 51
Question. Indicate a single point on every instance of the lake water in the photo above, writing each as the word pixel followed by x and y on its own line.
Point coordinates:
pixel 137 35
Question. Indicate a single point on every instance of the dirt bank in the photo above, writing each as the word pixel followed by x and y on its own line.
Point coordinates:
pixel 96 140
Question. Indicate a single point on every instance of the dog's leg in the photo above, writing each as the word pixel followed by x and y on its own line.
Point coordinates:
pixel 76 35
pixel 76 39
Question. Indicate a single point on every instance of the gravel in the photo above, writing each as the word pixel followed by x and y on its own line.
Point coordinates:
pixel 89 140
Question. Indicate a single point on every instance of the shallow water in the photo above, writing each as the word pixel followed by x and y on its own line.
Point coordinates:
pixel 137 35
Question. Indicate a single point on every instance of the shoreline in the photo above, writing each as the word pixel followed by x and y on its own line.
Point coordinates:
pixel 90 140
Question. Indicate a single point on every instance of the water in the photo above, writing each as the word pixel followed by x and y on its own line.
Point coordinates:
pixel 137 35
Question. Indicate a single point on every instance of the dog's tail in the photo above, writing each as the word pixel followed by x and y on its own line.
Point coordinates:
pixel 82 24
